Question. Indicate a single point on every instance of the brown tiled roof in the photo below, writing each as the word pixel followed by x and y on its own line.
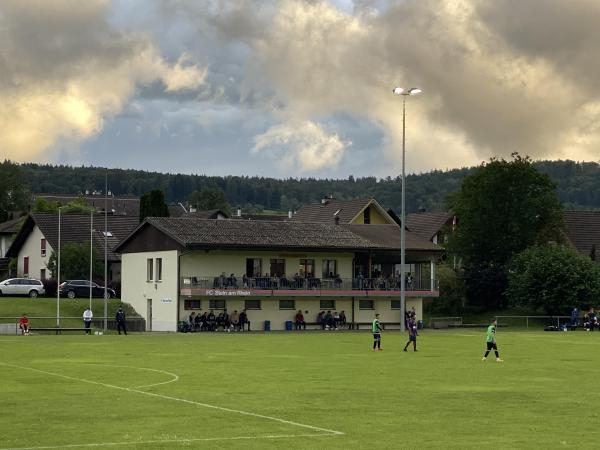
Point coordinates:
pixel 75 228
pixel 427 224
pixel 388 236
pixel 324 212
pixel 206 214
pixel 197 233
pixel 583 230
pixel 263 217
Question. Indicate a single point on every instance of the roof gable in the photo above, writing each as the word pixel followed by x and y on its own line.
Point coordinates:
pixel 346 210
pixel 583 230
pixel 427 224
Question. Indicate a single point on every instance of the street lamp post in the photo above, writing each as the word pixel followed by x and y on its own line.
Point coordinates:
pixel 58 274
pixel 404 93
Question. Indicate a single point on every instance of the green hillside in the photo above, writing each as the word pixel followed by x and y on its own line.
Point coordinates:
pixel 578 186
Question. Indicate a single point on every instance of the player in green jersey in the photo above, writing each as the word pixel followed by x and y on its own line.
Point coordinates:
pixel 376 329
pixel 490 339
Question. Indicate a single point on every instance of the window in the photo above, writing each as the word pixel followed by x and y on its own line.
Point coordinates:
pixel 43 247
pixel 329 268
pixel 192 304
pixel 107 234
pixel 149 269
pixel 307 268
pixel 367 215
pixel 42 274
pixel 327 304
pixel 252 304
pixel 287 304
pixel 277 267
pixel 216 304
pixel 365 304
pixel 253 267
pixel 158 276
pixel 395 304
pixel 26 266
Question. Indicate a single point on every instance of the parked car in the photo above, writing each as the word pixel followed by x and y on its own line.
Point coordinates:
pixel 81 288
pixel 22 286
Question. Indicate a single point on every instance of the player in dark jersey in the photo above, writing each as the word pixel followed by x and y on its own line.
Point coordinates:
pixel 411 327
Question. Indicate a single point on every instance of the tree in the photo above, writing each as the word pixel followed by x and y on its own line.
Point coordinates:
pixel 13 191
pixel 77 206
pixel 503 207
pixel 553 278
pixel 152 204
pixel 210 198
pixel 452 291
pixel 75 262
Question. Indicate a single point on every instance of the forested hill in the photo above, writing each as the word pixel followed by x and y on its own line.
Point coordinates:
pixel 578 186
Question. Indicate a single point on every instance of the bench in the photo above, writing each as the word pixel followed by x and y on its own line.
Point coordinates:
pixel 59 330
pixel 357 325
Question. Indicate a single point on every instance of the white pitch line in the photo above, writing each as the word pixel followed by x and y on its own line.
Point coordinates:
pixel 169 441
pixel 175 376
pixel 183 400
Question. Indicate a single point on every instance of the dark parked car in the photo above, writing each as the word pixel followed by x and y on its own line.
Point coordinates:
pixel 81 288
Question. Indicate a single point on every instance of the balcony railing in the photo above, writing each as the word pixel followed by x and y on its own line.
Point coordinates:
pixel 303 286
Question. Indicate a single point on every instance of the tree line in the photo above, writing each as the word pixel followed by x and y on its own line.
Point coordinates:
pixel 577 186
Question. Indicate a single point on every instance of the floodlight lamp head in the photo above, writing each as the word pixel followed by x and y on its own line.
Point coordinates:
pixel 398 90
pixel 414 91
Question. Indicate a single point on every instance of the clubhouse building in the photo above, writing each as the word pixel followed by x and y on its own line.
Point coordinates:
pixel 338 256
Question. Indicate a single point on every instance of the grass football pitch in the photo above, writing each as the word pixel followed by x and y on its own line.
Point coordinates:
pixel 299 391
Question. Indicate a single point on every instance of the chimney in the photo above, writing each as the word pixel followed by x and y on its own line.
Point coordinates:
pixel 87 192
pixel 337 220
pixel 239 212
pixel 290 214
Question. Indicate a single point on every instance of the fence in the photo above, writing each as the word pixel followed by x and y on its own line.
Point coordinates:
pixel 10 325
pixel 533 321
pixel 445 322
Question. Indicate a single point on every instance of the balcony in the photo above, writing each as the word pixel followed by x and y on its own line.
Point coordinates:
pixel 304 287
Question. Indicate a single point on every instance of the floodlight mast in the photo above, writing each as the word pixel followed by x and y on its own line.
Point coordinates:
pixel 404 93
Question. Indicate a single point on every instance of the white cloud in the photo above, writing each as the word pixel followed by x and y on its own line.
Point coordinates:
pixel 303 145
pixel 64 70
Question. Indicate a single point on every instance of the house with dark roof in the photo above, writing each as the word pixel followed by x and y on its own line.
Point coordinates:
pixel 172 267
pixel 8 230
pixel 583 232
pixel 38 238
pixel 344 211
pixel 125 205
pixel 433 226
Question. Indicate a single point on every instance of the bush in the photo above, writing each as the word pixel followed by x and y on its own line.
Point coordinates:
pixel 553 278
pixel 50 286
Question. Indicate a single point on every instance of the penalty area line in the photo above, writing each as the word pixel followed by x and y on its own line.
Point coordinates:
pixel 170 441
pixel 182 400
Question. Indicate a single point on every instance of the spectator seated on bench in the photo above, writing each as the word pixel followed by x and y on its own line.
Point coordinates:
pixel 299 322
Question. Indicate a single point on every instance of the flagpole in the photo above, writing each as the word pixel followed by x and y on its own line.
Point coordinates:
pixel 91 252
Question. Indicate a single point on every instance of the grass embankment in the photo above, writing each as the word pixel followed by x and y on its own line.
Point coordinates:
pixel 70 309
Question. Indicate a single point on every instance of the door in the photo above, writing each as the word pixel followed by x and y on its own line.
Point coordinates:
pixel 149 315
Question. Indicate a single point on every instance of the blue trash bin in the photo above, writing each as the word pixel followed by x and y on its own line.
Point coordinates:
pixel 267 325
pixel 288 325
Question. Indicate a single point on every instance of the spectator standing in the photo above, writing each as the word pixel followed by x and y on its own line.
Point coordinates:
pixel 87 320
pixel 191 320
pixel 593 321
pixel 24 325
pixel 244 320
pixel 204 321
pixel 575 317
pixel 343 319
pixel 376 330
pixel 299 321
pixel 212 321
pixel 120 318
pixel 328 320
pixel 336 320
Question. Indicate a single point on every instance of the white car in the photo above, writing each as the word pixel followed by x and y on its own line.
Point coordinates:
pixel 22 286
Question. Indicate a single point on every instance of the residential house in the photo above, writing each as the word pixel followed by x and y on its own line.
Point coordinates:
pixel 174 266
pixel 583 231
pixel 433 226
pixel 38 238
pixel 8 230
pixel 344 211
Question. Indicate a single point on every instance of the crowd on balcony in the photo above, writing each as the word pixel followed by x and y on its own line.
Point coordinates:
pixel 377 281
pixel 223 321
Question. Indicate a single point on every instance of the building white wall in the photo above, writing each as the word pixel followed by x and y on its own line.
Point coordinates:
pixel 214 262
pixel 270 310
pixel 32 249
pixel 137 290
pixel 5 241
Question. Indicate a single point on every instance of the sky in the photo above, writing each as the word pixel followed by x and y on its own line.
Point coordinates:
pixel 297 88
